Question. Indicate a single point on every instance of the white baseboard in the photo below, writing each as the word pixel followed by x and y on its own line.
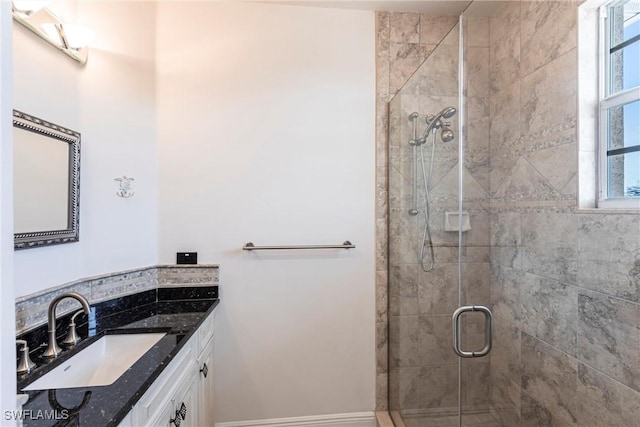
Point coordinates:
pixel 354 419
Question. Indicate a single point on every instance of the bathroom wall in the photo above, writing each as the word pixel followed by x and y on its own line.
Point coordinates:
pixel 111 102
pixel 7 314
pixel 565 282
pixel 266 134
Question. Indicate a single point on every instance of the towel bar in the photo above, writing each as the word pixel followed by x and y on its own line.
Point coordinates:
pixel 251 247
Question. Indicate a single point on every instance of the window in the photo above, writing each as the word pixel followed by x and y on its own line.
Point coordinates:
pixel 619 104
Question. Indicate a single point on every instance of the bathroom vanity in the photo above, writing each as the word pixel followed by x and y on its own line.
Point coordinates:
pixel 183 393
pixel 170 384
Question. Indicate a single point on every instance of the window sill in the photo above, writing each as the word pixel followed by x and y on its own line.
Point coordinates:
pixel 617 205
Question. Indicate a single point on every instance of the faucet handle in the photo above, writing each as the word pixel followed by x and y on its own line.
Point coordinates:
pixel 72 336
pixel 25 364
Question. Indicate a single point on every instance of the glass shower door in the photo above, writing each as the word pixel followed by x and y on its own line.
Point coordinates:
pixel 439 240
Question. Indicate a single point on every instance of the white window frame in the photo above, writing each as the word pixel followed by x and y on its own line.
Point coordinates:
pixel 605 103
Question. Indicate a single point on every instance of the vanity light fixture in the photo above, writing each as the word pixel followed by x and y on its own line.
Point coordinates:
pixel 71 39
pixel 29 7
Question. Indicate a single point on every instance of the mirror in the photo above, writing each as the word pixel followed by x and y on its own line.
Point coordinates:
pixel 46 175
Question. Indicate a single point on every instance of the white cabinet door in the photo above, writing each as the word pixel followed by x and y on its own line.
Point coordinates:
pixel 157 405
pixel 187 380
pixel 181 410
pixel 186 405
pixel 205 386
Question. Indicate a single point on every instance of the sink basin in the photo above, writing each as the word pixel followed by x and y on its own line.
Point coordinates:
pixel 99 364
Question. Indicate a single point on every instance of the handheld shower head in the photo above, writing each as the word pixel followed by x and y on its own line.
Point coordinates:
pixel 447 113
pixel 434 122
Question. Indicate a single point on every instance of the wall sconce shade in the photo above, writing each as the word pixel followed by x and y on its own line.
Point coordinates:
pixel 77 36
pixel 71 39
pixel 29 7
pixel 69 36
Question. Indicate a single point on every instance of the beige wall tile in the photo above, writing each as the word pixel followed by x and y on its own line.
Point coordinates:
pixel 505 61
pixel 549 245
pixel 403 341
pixel 548 31
pixel 506 20
pixel 609 254
pixel 403 289
pixel 434 341
pixel 548 95
pixel 603 402
pixel 477 31
pixel 550 377
pixel 548 311
pixel 434 28
pixel 404 27
pixel 609 336
pixel 533 414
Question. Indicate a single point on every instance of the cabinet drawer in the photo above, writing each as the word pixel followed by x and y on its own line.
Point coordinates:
pixel 182 394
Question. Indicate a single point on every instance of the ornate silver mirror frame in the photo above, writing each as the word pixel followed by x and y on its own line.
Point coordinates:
pixel 48 132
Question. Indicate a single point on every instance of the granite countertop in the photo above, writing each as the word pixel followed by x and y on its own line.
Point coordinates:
pixel 178 316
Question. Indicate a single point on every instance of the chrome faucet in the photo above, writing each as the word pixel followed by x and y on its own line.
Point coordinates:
pixel 53 350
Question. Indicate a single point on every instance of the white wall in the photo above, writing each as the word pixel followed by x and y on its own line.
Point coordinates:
pixel 7 313
pixel 266 134
pixel 111 102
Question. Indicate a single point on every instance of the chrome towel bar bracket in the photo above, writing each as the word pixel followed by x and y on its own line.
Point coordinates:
pixel 251 247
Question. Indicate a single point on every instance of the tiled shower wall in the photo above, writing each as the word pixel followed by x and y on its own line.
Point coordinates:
pixel 403 41
pixel 565 284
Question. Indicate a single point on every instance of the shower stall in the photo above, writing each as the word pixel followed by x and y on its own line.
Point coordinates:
pixel 508 305
pixel 440 322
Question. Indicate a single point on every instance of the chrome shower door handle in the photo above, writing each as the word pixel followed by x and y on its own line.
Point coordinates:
pixel 457 330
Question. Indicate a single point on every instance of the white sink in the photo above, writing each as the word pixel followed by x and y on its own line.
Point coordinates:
pixel 100 364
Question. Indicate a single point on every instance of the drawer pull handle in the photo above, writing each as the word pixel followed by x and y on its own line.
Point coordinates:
pixel 181 414
pixel 204 370
pixel 182 411
pixel 177 420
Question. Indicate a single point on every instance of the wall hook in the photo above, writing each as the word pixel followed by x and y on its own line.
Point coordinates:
pixel 125 187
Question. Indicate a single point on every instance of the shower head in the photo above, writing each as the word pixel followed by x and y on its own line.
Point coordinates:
pixel 434 122
pixel 446 135
pixel 447 113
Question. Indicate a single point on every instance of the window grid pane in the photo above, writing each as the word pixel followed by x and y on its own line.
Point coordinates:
pixel 620 145
pixel 624 175
pixel 623 150
pixel 624 46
